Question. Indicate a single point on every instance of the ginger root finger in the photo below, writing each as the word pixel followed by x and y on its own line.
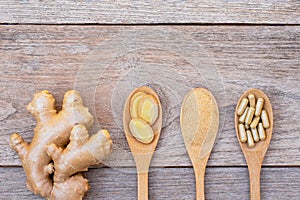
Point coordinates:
pixel 80 153
pixel 18 144
pixel 73 188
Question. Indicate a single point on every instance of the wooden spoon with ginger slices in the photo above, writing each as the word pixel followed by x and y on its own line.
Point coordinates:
pixel 254 156
pixel 199 120
pixel 141 144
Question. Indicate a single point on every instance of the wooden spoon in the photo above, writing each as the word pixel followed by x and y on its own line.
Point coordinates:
pixel 199 121
pixel 254 156
pixel 142 153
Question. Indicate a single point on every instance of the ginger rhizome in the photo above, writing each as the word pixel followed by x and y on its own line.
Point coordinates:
pixel 60 146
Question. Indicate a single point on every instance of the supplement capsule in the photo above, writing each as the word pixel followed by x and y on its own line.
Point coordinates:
pixel 242 106
pixel 243 117
pixel 250 141
pixel 261 132
pixel 255 134
pixel 254 122
pixel 250 115
pixel 242 132
pixel 259 106
pixel 246 126
pixel 251 98
pixel 265 119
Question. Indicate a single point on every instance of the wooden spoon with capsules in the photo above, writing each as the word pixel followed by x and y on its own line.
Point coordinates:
pixel 255 156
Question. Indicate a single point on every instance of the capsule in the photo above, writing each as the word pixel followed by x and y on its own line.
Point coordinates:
pixel 242 132
pixel 255 134
pixel 265 119
pixel 251 98
pixel 254 122
pixel 243 117
pixel 250 115
pixel 242 106
pixel 247 126
pixel 250 141
pixel 259 106
pixel 261 132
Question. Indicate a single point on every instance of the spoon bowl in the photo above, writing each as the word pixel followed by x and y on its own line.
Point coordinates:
pixel 142 153
pixel 199 120
pixel 254 156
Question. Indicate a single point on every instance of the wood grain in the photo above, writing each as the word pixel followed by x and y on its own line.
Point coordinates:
pixel 169 183
pixel 243 48
pixel 150 12
pixel 48 57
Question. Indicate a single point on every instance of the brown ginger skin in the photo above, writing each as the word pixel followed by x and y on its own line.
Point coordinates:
pixel 80 153
pixel 53 132
pixel 67 161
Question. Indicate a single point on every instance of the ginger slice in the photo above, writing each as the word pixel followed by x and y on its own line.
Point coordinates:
pixel 148 109
pixel 141 130
pixel 134 104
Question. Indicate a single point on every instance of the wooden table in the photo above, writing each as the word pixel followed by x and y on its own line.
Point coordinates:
pixel 43 45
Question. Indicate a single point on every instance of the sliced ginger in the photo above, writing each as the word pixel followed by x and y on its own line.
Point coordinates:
pixel 143 112
pixel 148 109
pixel 134 104
pixel 60 146
pixel 141 130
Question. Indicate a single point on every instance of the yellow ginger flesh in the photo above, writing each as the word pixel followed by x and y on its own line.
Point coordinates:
pixel 148 109
pixel 141 130
pixel 134 104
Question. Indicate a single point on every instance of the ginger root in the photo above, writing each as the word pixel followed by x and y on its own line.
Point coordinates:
pixel 61 146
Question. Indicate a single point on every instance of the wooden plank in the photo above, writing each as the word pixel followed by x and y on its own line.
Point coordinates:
pixel 169 183
pixel 34 58
pixel 149 12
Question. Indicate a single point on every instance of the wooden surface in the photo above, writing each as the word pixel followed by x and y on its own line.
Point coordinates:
pixel 170 183
pixel 149 12
pixel 44 45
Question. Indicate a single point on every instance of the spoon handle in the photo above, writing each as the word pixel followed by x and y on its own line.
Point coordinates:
pixel 199 174
pixel 254 174
pixel 143 186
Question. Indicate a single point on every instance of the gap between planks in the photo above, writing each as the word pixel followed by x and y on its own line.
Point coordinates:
pixel 149 24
